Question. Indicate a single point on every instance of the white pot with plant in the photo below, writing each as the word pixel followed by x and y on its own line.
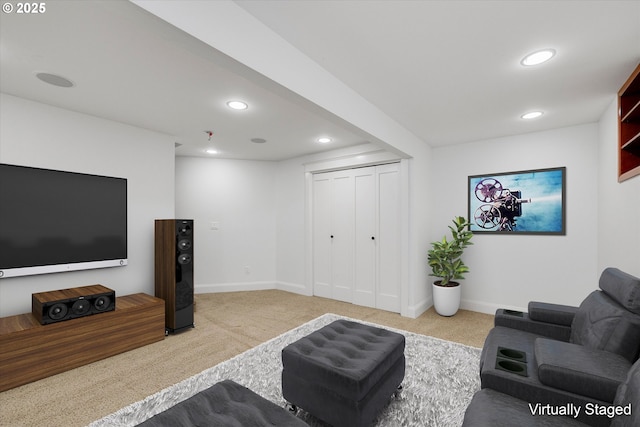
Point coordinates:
pixel 445 260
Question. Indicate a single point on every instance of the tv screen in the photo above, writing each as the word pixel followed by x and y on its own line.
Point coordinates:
pixel 53 221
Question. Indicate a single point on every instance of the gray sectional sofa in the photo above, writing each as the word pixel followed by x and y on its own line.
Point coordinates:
pixel 495 409
pixel 556 358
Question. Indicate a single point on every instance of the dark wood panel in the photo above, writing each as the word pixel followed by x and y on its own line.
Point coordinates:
pixel 64 294
pixel 30 351
pixel 165 267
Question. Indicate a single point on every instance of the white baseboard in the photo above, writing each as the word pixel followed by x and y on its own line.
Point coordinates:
pixel 485 307
pixel 294 288
pixel 251 286
pixel 414 311
pixel 233 287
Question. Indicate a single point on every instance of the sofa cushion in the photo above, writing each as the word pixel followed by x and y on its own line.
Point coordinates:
pixel 491 408
pixel 629 393
pixel 622 287
pixel 530 389
pixel 579 369
pixel 226 403
pixel 602 324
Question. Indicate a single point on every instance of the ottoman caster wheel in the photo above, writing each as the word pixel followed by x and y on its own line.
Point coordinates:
pixel 291 408
pixel 398 393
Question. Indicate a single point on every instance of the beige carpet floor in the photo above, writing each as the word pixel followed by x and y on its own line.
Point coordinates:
pixel 226 325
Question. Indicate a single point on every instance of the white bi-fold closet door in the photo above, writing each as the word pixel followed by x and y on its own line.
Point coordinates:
pixel 356 236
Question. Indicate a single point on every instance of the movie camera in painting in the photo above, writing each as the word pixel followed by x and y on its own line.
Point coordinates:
pixel 501 205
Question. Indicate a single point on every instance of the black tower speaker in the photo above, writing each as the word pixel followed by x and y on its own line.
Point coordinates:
pixel 174 271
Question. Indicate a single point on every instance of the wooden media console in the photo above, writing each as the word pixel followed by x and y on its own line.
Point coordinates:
pixel 30 351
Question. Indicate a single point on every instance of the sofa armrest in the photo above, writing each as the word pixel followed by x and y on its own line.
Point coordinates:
pixel 552 313
pixel 523 322
pixel 579 369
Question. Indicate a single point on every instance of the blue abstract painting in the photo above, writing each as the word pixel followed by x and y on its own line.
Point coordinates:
pixel 524 202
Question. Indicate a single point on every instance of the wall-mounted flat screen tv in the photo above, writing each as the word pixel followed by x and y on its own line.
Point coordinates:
pixel 54 221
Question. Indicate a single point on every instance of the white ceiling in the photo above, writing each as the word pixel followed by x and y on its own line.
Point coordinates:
pixel 448 71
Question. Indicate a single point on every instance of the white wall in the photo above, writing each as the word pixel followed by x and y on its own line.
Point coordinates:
pixel 510 270
pixel 240 197
pixel 618 204
pixel 507 271
pixel 290 226
pixel 422 200
pixel 39 135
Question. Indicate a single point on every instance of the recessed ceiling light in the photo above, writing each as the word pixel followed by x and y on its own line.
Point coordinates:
pixel 211 151
pixel 532 115
pixel 237 105
pixel 324 140
pixel 538 57
pixel 55 80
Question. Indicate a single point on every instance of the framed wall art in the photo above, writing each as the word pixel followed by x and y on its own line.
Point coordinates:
pixel 523 202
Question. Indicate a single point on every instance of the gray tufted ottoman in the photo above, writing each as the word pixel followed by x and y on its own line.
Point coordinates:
pixel 344 373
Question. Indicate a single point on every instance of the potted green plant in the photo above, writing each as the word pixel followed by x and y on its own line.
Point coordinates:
pixel 445 260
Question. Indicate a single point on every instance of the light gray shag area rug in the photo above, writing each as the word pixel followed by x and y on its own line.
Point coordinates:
pixel 440 380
